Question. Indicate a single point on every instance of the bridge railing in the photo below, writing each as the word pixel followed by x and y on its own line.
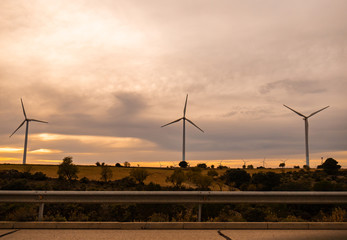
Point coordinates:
pixel 170 197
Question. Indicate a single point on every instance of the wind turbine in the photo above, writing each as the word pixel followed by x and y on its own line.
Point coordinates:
pixel 184 128
pixel 305 118
pixel 264 163
pixel 244 163
pixel 26 120
pixel 283 163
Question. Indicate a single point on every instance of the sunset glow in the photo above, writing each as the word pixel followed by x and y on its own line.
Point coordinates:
pixel 106 75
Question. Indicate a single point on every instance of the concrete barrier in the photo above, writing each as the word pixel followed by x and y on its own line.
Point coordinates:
pixel 328 225
pixel 288 225
pixel 176 225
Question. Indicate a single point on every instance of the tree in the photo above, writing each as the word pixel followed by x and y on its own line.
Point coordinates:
pixel 282 165
pixel 330 166
pixel 236 176
pixel 139 174
pixel 183 164
pixel 177 178
pixel 98 164
pixel 118 165
pixel 201 165
pixel 67 170
pixel 126 164
pixel 106 173
pixel 250 166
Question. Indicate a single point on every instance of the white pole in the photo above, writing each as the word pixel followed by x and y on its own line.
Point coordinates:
pixel 306 143
pixel 184 140
pixel 25 143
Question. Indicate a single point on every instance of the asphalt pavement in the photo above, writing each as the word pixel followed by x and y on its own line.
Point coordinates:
pixel 73 234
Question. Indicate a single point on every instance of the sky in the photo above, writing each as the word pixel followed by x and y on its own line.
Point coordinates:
pixel 107 74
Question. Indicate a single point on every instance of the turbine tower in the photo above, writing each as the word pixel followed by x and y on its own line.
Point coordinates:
pixel 184 128
pixel 26 120
pixel 305 118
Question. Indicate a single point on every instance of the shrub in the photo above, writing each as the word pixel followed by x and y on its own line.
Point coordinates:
pixel 330 166
pixel 236 177
pixel 39 176
pixel 183 164
pixel 18 184
pixel 254 215
pixel 267 181
pixel 327 186
pixel 201 165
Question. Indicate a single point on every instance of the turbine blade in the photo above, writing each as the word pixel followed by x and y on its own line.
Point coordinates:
pixel 23 109
pixel 35 120
pixel 194 125
pixel 295 111
pixel 172 122
pixel 185 106
pixel 317 111
pixel 18 128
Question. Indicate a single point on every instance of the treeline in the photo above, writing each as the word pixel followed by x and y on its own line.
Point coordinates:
pixel 182 179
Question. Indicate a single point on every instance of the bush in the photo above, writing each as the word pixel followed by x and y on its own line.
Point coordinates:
pixel 266 181
pixel 236 177
pixel 330 166
pixel 10 174
pixel 18 184
pixel 327 186
pixel 295 186
pixel 39 176
pixel 254 215
pixel 84 180
pixel 201 165
pixel 183 164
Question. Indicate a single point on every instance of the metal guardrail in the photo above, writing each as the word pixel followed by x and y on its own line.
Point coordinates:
pixel 170 197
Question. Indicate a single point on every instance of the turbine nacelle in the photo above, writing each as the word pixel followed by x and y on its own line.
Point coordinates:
pixel 184 117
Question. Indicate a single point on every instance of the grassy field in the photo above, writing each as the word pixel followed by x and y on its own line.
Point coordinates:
pixel 157 175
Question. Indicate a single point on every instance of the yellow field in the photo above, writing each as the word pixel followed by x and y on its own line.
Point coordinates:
pixel 157 175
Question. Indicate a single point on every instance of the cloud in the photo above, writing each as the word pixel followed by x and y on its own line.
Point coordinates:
pixel 106 70
pixel 293 87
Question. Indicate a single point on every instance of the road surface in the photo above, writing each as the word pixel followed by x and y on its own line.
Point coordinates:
pixel 71 234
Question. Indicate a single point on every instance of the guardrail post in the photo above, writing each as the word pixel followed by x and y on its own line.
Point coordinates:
pixel 41 207
pixel 199 214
